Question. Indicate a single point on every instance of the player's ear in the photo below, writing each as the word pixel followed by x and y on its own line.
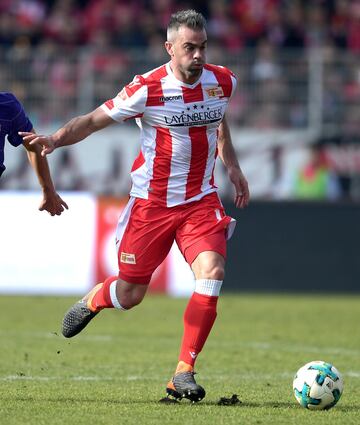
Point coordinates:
pixel 169 48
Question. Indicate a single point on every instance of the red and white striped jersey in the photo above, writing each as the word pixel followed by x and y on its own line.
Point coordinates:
pixel 179 129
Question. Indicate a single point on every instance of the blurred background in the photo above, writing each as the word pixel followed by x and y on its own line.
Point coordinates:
pixel 295 121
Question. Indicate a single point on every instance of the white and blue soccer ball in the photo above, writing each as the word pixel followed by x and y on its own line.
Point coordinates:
pixel 318 385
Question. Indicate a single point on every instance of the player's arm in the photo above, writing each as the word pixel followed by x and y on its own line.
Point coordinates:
pixel 228 156
pixel 73 132
pixel 51 201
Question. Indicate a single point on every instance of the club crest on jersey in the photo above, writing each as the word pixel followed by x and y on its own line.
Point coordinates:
pixel 215 91
pixel 127 258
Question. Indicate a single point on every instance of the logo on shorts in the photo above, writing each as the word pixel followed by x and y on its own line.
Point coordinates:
pixel 127 258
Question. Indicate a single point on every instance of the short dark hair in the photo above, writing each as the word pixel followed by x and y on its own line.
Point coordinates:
pixel 188 18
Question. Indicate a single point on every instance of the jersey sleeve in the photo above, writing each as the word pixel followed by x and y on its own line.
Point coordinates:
pixel 234 84
pixel 232 78
pixel 226 79
pixel 129 103
pixel 20 122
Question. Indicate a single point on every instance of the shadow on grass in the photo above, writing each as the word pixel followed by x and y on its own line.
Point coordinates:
pixel 183 403
pixel 265 405
pixel 289 405
pixel 247 404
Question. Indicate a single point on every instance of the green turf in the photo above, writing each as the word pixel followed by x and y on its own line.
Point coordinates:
pixel 116 370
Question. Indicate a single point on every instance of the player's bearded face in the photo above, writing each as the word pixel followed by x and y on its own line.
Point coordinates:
pixel 189 50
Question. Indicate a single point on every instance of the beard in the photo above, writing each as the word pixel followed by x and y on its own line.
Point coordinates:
pixel 195 72
pixel 192 72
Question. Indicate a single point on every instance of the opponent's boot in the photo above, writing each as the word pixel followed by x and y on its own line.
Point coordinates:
pixel 79 315
pixel 183 384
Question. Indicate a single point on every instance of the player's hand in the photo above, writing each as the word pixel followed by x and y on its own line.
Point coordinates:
pixel 46 142
pixel 242 194
pixel 52 203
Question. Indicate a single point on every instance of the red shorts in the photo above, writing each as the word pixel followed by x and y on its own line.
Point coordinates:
pixel 146 232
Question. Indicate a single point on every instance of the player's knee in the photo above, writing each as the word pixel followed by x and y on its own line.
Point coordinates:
pixel 213 272
pixel 209 265
pixel 216 272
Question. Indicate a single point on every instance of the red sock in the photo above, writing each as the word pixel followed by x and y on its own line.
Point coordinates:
pixel 101 297
pixel 199 317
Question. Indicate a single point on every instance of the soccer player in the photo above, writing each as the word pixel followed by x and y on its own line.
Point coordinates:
pixel 12 120
pixel 180 109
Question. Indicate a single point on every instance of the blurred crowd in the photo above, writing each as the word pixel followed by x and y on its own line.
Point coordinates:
pixel 88 49
pixel 235 23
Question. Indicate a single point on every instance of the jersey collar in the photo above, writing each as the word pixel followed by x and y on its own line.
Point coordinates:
pixel 181 83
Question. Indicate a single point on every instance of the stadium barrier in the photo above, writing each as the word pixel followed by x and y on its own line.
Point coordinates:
pixel 310 247
pixel 281 247
pixel 67 255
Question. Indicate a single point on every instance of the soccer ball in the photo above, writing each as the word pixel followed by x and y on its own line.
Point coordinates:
pixel 318 385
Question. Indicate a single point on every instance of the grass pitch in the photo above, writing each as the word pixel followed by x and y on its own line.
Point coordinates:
pixel 116 370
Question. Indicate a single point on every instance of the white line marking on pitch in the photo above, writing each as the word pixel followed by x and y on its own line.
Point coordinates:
pixel 259 345
pixel 266 346
pixel 73 378
pixel 248 375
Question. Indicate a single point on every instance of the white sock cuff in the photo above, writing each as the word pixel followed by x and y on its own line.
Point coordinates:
pixel 208 287
pixel 113 296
